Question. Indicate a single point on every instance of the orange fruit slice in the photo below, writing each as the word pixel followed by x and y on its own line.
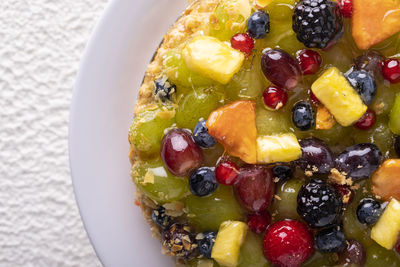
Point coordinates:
pixel 386 181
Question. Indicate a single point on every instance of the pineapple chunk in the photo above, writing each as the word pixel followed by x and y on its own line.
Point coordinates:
pixel 386 180
pixel 325 120
pixel 386 230
pixel 263 3
pixel 339 97
pixel 212 58
pixel 279 148
pixel 228 242
pixel 238 8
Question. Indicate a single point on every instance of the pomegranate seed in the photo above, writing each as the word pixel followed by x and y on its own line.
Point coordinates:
pixel 366 121
pixel 310 61
pixel 346 7
pixel 226 172
pixel 391 70
pixel 346 193
pixel 275 98
pixel 243 42
pixel 398 246
pixel 258 222
pixel 314 99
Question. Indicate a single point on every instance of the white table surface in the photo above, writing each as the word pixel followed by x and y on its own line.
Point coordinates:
pixel 41 43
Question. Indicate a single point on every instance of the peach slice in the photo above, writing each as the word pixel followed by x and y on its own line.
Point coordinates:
pixel 374 21
pixel 234 126
pixel 386 180
pixel 325 120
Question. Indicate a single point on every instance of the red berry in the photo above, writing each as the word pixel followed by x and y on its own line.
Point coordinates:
pixel 398 246
pixel 226 172
pixel 288 243
pixel 366 121
pixel 275 98
pixel 346 7
pixel 391 70
pixel 314 99
pixel 258 222
pixel 346 193
pixel 243 42
pixel 310 61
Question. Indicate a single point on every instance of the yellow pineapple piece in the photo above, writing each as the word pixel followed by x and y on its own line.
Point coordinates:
pixel 237 8
pixel 263 3
pixel 339 97
pixel 212 58
pixel 227 245
pixel 325 120
pixel 278 148
pixel 385 232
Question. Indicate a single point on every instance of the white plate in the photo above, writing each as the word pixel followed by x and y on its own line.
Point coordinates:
pixel 102 110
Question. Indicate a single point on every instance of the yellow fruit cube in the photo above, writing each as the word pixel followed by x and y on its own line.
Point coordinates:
pixel 339 97
pixel 278 148
pixel 263 3
pixel 212 58
pixel 325 120
pixel 227 245
pixel 387 229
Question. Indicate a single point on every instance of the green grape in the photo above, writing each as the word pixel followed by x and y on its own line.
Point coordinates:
pixel 178 73
pixel 279 10
pixel 286 207
pixel 196 105
pixel 273 122
pixel 319 259
pixel 202 263
pixel 147 129
pixel 339 56
pixel 154 180
pixel 211 155
pixel 334 135
pixel 251 252
pixel 379 256
pixel 386 96
pixel 207 213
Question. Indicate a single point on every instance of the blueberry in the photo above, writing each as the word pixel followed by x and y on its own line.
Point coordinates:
pixel 164 90
pixel 203 182
pixel 316 156
pixel 302 115
pixel 205 242
pixel 368 211
pixel 365 85
pixel 201 136
pixel 330 239
pixel 282 172
pixel 258 25
pixel 160 218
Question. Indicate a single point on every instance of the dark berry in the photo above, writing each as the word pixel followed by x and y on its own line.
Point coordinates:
pixel 202 182
pixel 366 121
pixel 397 145
pixel 258 25
pixel 319 204
pixel 275 98
pixel 288 243
pixel 179 241
pixel 346 193
pixel 201 135
pixel 243 42
pixel 370 61
pixel 226 172
pixel 282 172
pixel 205 242
pixel 317 23
pixel 391 70
pixel 310 61
pixel 303 116
pixel 369 211
pixel 160 218
pixel 280 68
pixel 346 7
pixel 354 254
pixel 258 222
pixel 316 157
pixel 314 99
pixel 359 161
pixel 364 84
pixel 164 90
pixel 330 239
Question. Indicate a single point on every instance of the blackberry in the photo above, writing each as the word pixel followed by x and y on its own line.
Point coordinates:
pixel 164 90
pixel 179 241
pixel 319 204
pixel 160 218
pixel 205 242
pixel 317 23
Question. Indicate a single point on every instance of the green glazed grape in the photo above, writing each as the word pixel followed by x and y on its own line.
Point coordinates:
pixel 334 135
pixel 207 213
pixel 281 10
pixel 379 256
pixel 147 130
pixel 286 208
pixel 203 263
pixel 196 105
pixel 320 260
pixel 273 122
pixel 153 180
pixel 394 122
pixel 211 155
pixel 251 252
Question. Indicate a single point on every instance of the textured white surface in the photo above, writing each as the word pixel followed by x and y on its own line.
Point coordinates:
pixel 41 43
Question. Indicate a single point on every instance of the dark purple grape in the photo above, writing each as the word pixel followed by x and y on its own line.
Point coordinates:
pixel 371 61
pixel 397 145
pixel 317 156
pixel 359 161
pixel 330 239
pixel 354 254
pixel 280 68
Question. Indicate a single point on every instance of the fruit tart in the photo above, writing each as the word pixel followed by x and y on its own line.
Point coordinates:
pixel 266 133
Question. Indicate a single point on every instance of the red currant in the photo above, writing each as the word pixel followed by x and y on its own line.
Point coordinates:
pixel 310 61
pixel 226 172
pixel 243 42
pixel 366 121
pixel 314 99
pixel 258 222
pixel 391 70
pixel 346 7
pixel 275 98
